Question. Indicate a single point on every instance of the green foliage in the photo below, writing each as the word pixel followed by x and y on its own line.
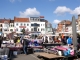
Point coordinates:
pixel 23 30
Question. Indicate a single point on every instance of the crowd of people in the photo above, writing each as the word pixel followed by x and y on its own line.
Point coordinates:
pixel 24 42
pixel 60 39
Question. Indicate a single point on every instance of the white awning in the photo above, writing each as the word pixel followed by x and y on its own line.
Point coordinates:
pixel 7 32
pixel 19 32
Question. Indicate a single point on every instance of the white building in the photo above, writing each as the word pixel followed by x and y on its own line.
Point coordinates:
pixel 37 25
pixel 5 26
pixel 11 26
pixel 31 24
pixel 21 23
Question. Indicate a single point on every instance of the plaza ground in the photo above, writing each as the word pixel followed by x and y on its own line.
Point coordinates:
pixel 26 57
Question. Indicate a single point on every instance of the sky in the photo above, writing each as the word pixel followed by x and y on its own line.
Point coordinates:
pixel 53 10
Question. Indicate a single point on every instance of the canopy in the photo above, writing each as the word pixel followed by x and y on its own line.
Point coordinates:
pixel 19 32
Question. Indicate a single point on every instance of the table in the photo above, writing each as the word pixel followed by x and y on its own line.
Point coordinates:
pixel 50 44
pixel 12 49
pixel 40 47
pixel 49 56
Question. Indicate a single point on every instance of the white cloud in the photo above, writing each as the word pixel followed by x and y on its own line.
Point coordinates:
pixel 63 9
pixel 56 21
pixel 14 0
pixel 76 11
pixel 29 12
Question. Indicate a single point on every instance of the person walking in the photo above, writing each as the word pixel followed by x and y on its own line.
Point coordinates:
pixel 25 45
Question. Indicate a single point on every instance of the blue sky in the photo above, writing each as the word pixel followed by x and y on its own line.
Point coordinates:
pixel 53 10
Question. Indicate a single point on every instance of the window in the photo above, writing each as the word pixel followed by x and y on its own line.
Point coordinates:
pixel 38 19
pixel 32 29
pixel 31 18
pixel 27 24
pixel 11 25
pixel 24 24
pixel 0 29
pixel 21 24
pixel 0 25
pixel 5 30
pixel 35 29
pixel 41 29
pixel 16 29
pixel 35 24
pixel 11 29
pixel 35 19
pixel 38 29
pixel 17 24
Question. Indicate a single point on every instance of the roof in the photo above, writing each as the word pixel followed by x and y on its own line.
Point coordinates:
pixel 42 20
pixel 3 20
pixel 46 21
pixel 11 21
pixel 21 19
pixel 65 22
pixel 41 16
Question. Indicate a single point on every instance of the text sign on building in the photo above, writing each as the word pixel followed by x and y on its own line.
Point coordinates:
pixel 22 26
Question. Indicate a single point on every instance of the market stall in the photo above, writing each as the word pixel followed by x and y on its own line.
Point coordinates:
pixel 14 48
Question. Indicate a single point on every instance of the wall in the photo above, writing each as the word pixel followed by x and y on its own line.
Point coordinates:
pixel 42 25
pixel 70 28
pixel 19 24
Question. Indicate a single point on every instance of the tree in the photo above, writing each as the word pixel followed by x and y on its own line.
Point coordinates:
pixel 23 30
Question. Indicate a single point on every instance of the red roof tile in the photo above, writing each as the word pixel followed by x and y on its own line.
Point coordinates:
pixel 3 20
pixel 21 19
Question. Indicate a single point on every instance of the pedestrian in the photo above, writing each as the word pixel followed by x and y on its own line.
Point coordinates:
pixel 69 41
pixel 25 46
pixel 1 40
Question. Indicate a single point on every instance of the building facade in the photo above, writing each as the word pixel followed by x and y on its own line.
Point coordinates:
pixel 48 27
pixel 78 20
pixel 62 25
pixel 37 25
pixel 11 26
pixel 5 26
pixel 31 24
pixel 1 25
pixel 21 23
